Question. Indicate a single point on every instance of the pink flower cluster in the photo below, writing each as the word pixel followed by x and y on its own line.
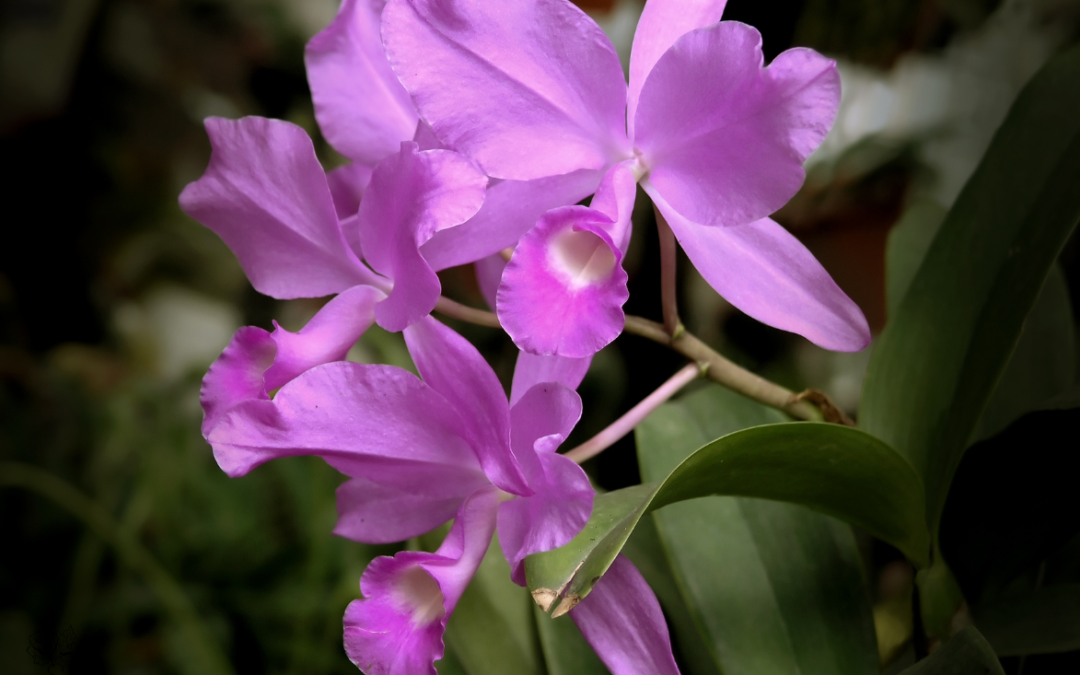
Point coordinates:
pixel 473 127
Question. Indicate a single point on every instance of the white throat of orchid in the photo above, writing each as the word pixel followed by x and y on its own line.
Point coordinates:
pixel 583 258
pixel 419 594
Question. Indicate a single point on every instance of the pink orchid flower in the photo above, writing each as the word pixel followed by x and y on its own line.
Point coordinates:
pixel 532 89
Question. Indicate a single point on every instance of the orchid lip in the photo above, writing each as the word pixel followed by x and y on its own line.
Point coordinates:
pixel 420 595
pixel 584 258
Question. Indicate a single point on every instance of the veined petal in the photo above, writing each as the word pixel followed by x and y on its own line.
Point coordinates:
pixel 256 362
pixel 361 107
pixel 662 23
pixel 725 138
pixel 527 89
pixel 453 367
pixel 766 272
pixel 412 196
pixel 266 195
pixel 366 420
pixel 533 369
pixel 510 209
pixel 622 621
pixel 397 628
pixel 327 337
pixel 563 497
pixel 562 292
pixel 411 500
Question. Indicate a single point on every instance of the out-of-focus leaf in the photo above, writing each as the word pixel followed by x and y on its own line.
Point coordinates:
pixel 936 364
pixel 775 588
pixel 833 469
pixel 565 650
pixel 492 631
pixel 1013 502
pixel 646 551
pixel 1041 622
pixel 909 240
pixel 966 653
pixel 1042 366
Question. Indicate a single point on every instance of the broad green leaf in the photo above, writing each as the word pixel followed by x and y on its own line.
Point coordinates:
pixel 492 631
pixel 1041 622
pixel 966 653
pixel 646 551
pixel 909 240
pixel 939 358
pixel 1042 366
pixel 565 650
pixel 774 588
pixel 836 470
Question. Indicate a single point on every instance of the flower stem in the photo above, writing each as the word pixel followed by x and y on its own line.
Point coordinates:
pixel 206 656
pixel 625 424
pixel 668 275
pixel 467 314
pixel 725 372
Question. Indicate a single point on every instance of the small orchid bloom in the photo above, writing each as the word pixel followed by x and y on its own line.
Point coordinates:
pixel 714 137
pixel 365 114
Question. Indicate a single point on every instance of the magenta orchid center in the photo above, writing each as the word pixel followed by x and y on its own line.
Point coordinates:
pixel 582 257
pixel 419 596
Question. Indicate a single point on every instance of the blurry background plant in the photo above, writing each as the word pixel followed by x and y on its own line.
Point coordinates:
pixel 127 550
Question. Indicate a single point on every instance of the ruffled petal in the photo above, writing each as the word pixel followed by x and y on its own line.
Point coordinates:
pixel 453 367
pixel 412 196
pixel 510 209
pixel 236 375
pixel 563 497
pixel 662 23
pixel 397 628
pixel 533 369
pixel 622 621
pixel 365 420
pixel 327 337
pixel 725 138
pixel 562 292
pixel 266 195
pixel 362 109
pixel 537 87
pixel 766 272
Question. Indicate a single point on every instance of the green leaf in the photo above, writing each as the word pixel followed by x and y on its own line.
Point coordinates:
pixel 836 470
pixel 966 653
pixel 1044 363
pixel 492 631
pixel 1044 621
pixel 936 363
pixel 909 240
pixel 775 588
pixel 565 650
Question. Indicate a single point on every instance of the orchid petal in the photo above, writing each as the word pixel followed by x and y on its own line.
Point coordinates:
pixel 362 109
pixel 537 89
pixel 347 184
pixel 615 198
pixel 563 290
pixel 413 195
pixel 404 505
pixel 489 272
pixel 533 369
pixel 622 621
pixel 766 272
pixel 327 337
pixel 236 375
pixel 397 629
pixel 725 138
pixel 453 367
pixel 266 195
pixel 511 208
pixel 563 497
pixel 663 22
pixel 365 420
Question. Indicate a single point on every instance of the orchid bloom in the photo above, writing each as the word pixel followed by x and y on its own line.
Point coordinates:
pixel 418 452
pixel 714 137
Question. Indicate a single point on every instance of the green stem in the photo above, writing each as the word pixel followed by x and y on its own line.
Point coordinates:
pixel 207 658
